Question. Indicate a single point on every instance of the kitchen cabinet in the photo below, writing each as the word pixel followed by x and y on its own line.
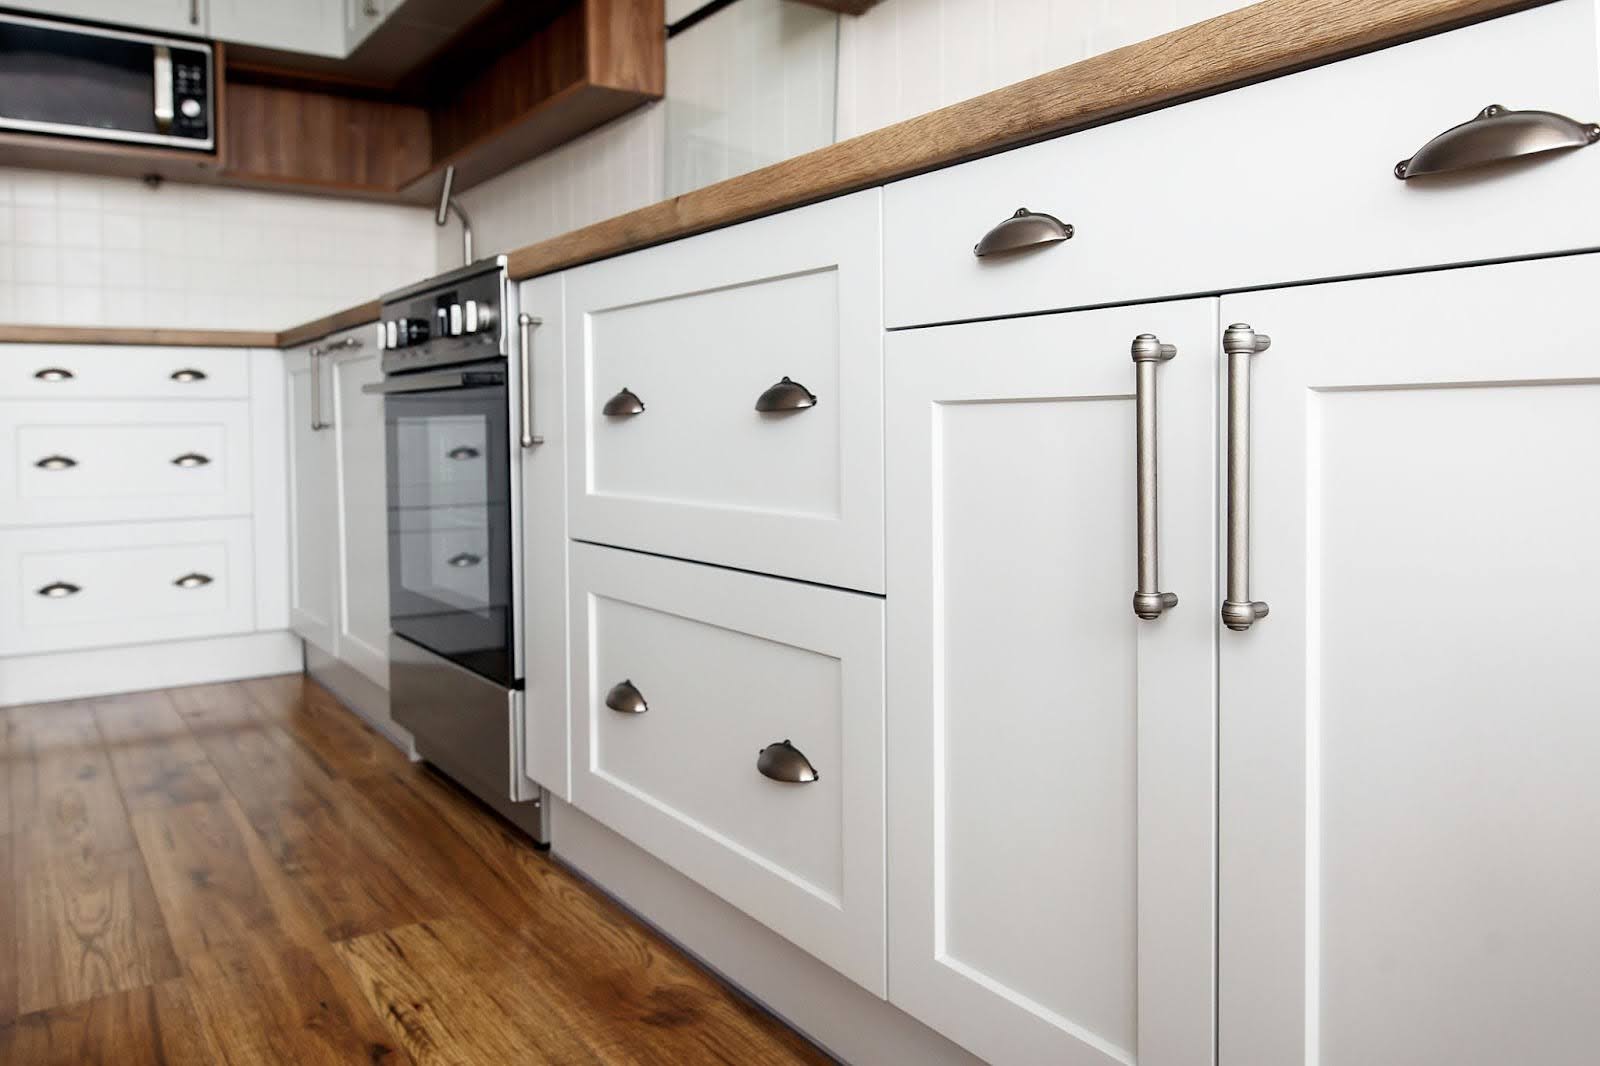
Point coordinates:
pixel 1408 740
pixel 1052 755
pixel 310 27
pixel 169 16
pixel 364 16
pixel 313 503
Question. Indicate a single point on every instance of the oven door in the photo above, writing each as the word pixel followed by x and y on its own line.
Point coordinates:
pixel 451 521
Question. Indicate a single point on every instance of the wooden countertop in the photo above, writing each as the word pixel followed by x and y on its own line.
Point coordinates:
pixel 1266 39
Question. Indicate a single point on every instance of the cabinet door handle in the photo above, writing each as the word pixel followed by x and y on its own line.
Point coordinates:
pixel 54 373
pixel 187 375
pixel 59 590
pixel 1148 353
pixel 194 581
pixel 785 396
pixel 56 462
pixel 464 559
pixel 525 364
pixel 463 452
pixel 190 459
pixel 1240 342
pixel 194 12
pixel 315 355
pixel 623 405
pixel 1495 134
pixel 626 699
pixel 1025 229
pixel 785 762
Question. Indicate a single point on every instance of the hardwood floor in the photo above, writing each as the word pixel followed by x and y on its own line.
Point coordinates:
pixel 247 874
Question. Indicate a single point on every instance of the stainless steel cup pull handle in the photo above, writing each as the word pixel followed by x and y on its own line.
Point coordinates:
pixel 525 364
pixel 785 396
pixel 1025 229
pixel 194 581
pixel 1496 134
pixel 625 699
pixel 463 452
pixel 623 405
pixel 187 375
pixel 1240 342
pixel 54 373
pixel 1148 353
pixel 59 590
pixel 190 459
pixel 464 559
pixel 785 762
pixel 56 462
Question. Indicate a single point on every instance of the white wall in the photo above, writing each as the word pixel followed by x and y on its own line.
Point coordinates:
pixel 902 58
pixel 82 250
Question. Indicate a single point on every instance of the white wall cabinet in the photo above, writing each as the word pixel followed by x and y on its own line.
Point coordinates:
pixel 1409 740
pixel 171 16
pixel 1051 756
pixel 311 27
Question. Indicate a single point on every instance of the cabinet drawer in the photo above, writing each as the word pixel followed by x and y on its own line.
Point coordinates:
pixel 726 665
pixel 699 330
pixel 106 372
pixel 97 586
pixel 1288 180
pixel 96 462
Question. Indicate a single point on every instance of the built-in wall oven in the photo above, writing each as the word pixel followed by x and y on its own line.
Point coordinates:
pixel 84 81
pixel 455 603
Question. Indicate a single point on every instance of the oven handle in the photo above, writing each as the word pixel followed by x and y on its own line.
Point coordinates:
pixel 461 379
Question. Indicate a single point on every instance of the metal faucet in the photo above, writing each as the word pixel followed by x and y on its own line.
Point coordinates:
pixel 447 204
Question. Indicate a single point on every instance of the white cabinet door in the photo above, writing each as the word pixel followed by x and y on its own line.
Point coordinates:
pixel 172 16
pixel 1051 831
pixel 546 749
pixel 362 584
pixel 313 503
pixel 1408 871
pixel 313 27
pixel 362 17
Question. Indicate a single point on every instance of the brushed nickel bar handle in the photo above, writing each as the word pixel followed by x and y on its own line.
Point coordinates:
pixel 1149 602
pixel 54 373
pixel 525 363
pixel 194 581
pixel 785 762
pixel 1240 342
pixel 56 462
pixel 624 698
pixel 194 12
pixel 1496 134
pixel 59 590
pixel 316 389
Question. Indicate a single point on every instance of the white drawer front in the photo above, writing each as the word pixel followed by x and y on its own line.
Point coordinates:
pixel 97 462
pixel 698 330
pixel 728 664
pixel 1291 179
pixel 97 586
pixel 111 372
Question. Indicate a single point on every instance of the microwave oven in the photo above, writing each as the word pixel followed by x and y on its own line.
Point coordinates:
pixel 83 81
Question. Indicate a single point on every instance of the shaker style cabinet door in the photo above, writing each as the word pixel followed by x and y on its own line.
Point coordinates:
pixel 1051 755
pixel 313 502
pixel 362 585
pixel 1409 740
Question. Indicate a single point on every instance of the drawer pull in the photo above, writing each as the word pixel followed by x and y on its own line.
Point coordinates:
pixel 785 762
pixel 1497 134
pixel 623 405
pixel 786 395
pixel 464 559
pixel 54 373
pixel 59 590
pixel 56 462
pixel 188 374
pixel 1025 229
pixel 190 459
pixel 463 452
pixel 194 581
pixel 625 698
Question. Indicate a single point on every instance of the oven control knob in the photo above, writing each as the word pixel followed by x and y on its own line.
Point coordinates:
pixel 391 331
pixel 455 320
pixel 190 108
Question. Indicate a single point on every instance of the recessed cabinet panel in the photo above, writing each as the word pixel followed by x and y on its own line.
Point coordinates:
pixel 1052 755
pixel 1409 739
pixel 688 682
pixel 684 445
pixel 313 502
pixel 98 462
pixel 363 514
pixel 114 372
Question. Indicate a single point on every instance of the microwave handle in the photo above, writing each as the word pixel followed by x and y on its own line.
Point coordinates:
pixel 163 78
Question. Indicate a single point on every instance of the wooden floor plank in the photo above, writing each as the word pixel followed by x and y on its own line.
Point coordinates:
pixel 152 1026
pixel 88 924
pixel 314 718
pixel 264 771
pixel 154 759
pixel 8 934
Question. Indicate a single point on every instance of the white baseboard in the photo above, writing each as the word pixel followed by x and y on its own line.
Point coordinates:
pixel 358 692
pixel 839 1015
pixel 76 675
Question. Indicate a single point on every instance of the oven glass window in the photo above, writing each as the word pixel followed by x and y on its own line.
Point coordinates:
pixel 450 525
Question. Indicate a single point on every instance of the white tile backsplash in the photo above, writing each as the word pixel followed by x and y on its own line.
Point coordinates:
pixel 85 250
